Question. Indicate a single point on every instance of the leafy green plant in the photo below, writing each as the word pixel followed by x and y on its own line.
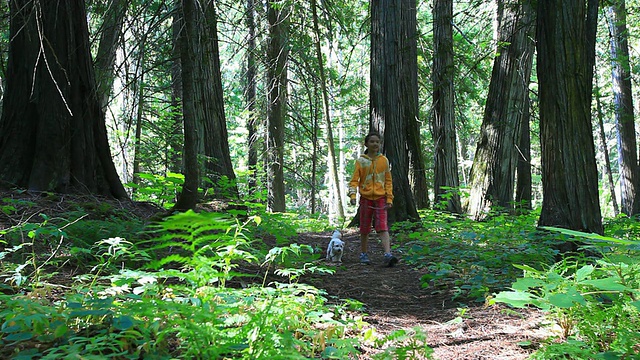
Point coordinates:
pixel 9 206
pixel 596 302
pixel 467 258
pixel 140 314
pixel 404 344
pixel 159 189
pixel 206 246
pixel 295 261
pixel 27 257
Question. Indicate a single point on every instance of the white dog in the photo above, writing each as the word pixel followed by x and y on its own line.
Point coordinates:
pixel 336 247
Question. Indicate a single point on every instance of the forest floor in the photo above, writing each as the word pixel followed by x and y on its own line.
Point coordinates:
pixel 393 299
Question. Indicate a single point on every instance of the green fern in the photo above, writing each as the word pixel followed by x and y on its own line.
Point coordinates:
pixel 208 245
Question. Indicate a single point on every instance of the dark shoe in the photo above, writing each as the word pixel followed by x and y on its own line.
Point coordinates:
pixel 390 260
pixel 364 259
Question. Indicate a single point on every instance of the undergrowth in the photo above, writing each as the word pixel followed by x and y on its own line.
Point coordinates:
pixel 594 300
pixel 76 285
pixel 470 259
pixel 173 290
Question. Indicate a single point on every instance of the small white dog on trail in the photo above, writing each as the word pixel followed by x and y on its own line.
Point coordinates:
pixel 336 247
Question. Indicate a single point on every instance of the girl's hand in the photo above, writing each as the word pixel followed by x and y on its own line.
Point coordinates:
pixel 388 205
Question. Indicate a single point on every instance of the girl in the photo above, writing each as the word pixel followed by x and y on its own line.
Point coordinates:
pixel 372 178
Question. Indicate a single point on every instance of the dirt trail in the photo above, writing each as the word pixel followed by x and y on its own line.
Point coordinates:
pixel 393 299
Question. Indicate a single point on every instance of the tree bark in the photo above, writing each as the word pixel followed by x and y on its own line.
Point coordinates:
pixel 524 198
pixel 277 55
pixel 211 123
pixel 386 110
pixel 176 142
pixel 492 178
pixel 188 197
pixel 52 131
pixel 110 35
pixel 409 100
pixel 446 179
pixel 605 149
pixel 623 105
pixel 565 39
pixel 250 98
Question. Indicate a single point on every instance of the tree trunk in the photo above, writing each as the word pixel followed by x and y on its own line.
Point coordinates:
pixel 565 39
pixel 446 180
pixel 52 131
pixel 333 164
pixel 386 110
pixel 409 100
pixel 623 104
pixel 176 143
pixel 211 123
pixel 250 96
pixel 109 41
pixel 277 55
pixel 524 199
pixel 188 198
pixel 137 144
pixel 605 149
pixel 492 177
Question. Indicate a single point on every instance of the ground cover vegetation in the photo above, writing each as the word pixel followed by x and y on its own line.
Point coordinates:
pixel 97 280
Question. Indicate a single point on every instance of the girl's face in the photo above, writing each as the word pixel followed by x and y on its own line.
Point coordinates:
pixel 373 145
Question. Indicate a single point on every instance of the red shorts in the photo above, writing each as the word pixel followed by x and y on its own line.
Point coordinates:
pixel 370 209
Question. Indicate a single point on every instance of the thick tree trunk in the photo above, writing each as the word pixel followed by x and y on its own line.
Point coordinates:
pixel 492 178
pixel 623 103
pixel 211 123
pixel 387 112
pixel 52 131
pixel 565 40
pixel 443 123
pixel 277 55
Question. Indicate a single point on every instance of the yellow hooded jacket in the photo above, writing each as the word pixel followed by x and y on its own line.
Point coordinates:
pixel 372 177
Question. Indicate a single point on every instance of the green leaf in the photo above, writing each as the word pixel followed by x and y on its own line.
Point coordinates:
pixel 23 336
pixel 584 272
pixel 607 284
pixel 517 299
pixel 526 268
pixel 60 331
pixel 591 236
pixel 566 300
pixel 524 284
pixel 146 176
pixel 122 322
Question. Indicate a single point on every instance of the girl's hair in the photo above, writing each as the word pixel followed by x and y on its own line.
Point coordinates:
pixel 369 135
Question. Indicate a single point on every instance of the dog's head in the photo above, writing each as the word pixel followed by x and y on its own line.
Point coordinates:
pixel 337 235
pixel 337 246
